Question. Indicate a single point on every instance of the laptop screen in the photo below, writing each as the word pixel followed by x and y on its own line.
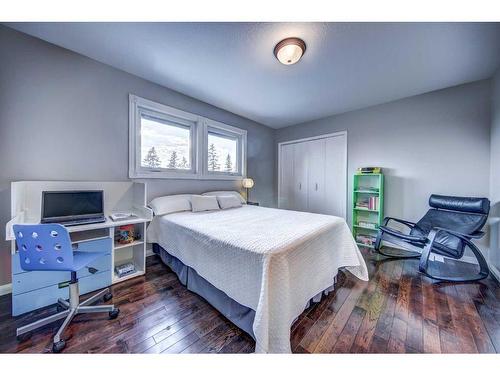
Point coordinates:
pixel 70 205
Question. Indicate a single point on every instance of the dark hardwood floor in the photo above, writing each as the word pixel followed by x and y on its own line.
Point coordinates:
pixel 397 311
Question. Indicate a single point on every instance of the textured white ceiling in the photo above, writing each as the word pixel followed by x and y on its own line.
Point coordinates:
pixel 231 65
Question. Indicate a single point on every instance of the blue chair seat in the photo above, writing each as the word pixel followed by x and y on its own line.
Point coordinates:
pixel 82 259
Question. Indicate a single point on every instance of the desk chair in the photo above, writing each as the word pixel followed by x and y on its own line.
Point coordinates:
pixel 47 247
pixel 447 228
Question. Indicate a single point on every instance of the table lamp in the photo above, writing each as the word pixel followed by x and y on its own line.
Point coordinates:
pixel 247 184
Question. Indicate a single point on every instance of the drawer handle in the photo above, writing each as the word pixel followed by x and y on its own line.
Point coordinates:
pixel 74 246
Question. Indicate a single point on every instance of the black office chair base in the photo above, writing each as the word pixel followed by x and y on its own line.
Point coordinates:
pixel 113 314
pixel 59 346
pixel 107 297
pixel 67 310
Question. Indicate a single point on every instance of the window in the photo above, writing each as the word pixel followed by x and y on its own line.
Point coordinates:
pixel 168 143
pixel 165 145
pixel 222 154
pixel 224 150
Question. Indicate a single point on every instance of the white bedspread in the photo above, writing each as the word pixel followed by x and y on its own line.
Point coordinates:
pixel 273 261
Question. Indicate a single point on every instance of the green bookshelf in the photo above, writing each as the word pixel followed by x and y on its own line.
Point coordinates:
pixel 367 207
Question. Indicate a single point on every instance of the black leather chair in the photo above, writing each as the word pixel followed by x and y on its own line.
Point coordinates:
pixel 448 228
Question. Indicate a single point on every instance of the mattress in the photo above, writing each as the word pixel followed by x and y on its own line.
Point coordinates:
pixel 269 260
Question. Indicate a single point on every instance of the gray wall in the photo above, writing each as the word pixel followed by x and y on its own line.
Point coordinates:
pixel 495 161
pixel 65 117
pixel 495 143
pixel 432 143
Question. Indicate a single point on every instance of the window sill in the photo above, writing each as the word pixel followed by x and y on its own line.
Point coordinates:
pixel 184 176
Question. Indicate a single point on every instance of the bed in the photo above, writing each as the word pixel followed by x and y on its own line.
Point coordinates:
pixel 259 266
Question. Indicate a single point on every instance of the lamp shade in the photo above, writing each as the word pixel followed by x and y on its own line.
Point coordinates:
pixel 247 183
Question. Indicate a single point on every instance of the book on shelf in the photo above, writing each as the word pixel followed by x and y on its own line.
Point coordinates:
pixel 365 239
pixel 369 203
pixel 373 203
pixel 367 224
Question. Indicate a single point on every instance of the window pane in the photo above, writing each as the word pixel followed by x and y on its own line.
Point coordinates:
pixel 164 146
pixel 222 154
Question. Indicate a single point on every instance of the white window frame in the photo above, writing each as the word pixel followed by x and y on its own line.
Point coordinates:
pixel 241 149
pixel 199 128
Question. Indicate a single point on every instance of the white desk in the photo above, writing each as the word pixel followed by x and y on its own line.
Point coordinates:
pixel 32 290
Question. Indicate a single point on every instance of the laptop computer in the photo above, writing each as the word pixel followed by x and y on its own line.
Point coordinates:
pixel 73 207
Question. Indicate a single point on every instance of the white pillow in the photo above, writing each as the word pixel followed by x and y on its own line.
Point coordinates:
pixel 201 203
pixel 222 192
pixel 171 203
pixel 228 201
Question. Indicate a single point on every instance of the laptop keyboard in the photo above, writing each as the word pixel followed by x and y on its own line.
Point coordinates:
pixel 84 221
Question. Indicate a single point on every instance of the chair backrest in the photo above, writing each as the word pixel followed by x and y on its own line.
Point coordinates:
pixel 461 214
pixel 460 204
pixel 44 247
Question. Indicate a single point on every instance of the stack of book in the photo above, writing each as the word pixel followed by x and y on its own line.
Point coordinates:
pixel 370 203
pixel 367 224
pixel 369 170
pixel 365 239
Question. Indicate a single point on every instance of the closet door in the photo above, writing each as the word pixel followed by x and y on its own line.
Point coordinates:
pixel 300 164
pixel 286 193
pixel 316 175
pixel 336 175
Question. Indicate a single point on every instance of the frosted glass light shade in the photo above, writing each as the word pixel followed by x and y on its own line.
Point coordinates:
pixel 290 50
pixel 247 183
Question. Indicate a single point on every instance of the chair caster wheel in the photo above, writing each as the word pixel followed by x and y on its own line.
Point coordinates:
pixel 114 314
pixel 107 297
pixel 59 308
pixel 58 347
pixel 24 337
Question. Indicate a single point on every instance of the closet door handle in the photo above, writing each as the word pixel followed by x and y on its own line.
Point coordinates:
pixel 316 186
pixel 300 185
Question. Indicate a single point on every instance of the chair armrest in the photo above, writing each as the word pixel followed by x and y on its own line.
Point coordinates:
pixel 401 235
pixel 405 222
pixel 476 235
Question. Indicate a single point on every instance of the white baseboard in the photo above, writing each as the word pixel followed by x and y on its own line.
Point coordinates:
pixel 5 289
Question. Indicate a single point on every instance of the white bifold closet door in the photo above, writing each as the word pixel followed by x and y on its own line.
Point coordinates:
pixel 300 170
pixel 286 178
pixel 313 175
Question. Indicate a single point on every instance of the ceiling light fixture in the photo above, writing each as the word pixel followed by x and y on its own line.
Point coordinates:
pixel 289 50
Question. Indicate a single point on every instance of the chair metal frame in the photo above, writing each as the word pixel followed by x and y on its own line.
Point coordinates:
pixel 466 239
pixel 47 247
pixel 422 247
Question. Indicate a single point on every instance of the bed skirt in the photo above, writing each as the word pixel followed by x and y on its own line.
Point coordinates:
pixel 239 315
